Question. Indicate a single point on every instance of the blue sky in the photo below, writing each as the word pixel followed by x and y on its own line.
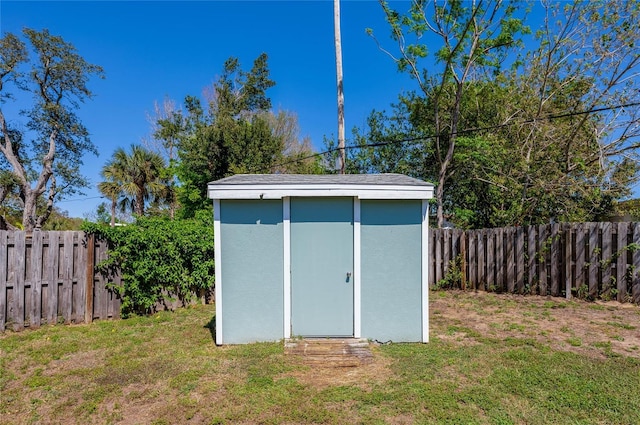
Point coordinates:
pixel 151 50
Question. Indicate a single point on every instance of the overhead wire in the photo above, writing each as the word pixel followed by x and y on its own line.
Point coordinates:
pixel 456 133
pixel 429 136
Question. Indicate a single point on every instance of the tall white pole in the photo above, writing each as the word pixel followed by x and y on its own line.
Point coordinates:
pixel 338 42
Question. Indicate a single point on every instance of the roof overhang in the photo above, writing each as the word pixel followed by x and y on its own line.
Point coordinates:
pixel 362 186
pixel 319 190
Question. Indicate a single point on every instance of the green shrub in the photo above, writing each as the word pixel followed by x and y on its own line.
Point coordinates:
pixel 156 257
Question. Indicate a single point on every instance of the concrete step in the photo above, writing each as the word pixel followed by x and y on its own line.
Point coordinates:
pixel 330 352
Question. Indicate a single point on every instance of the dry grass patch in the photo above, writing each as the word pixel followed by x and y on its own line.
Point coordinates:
pixel 492 359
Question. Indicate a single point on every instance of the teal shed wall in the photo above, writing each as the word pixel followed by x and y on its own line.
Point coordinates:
pixel 391 269
pixel 252 270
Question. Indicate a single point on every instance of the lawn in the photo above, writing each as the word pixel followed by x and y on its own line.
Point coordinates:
pixel 492 359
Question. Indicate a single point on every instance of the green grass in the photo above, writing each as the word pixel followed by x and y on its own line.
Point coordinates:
pixel 165 369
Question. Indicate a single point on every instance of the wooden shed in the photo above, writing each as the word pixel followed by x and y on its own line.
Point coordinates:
pixel 321 256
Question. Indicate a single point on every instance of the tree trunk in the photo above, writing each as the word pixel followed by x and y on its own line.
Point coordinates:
pixel 113 212
pixel 29 212
pixel 338 42
pixel 139 204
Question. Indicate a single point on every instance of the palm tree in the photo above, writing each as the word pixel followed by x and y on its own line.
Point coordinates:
pixel 133 178
pixel 110 189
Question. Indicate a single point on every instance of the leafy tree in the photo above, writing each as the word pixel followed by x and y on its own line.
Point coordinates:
pixel 56 76
pixel 133 179
pixel 236 132
pixel 476 37
pixel 545 139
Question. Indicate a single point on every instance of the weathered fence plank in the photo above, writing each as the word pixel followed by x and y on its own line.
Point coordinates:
pixel 437 246
pixel 607 260
pixel 491 261
pixel 89 278
pixel 621 261
pixel 635 276
pixel 67 277
pixel 52 276
pixel 581 242
pixel 80 265
pixel 555 259
pixel 500 260
pixel 36 279
pixel 19 263
pixel 473 264
pixel 3 278
pixel 593 258
pixel 532 273
pixel 568 256
pixel 520 260
pixel 544 251
pixel 510 239
pixel 482 276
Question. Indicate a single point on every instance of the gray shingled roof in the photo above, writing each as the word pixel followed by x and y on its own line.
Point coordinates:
pixel 306 179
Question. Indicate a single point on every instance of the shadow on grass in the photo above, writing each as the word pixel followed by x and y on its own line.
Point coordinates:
pixel 212 328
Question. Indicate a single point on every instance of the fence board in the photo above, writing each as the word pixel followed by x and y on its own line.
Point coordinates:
pixel 446 255
pixel 482 276
pixel 52 276
pixel 89 278
pixel 544 254
pixel 500 272
pixel 80 265
pixel 437 244
pixel 491 260
pixel 473 263
pixel 3 279
pixel 510 238
pixel 532 273
pixel 581 242
pixel 19 264
pixel 635 277
pixel 567 261
pixel 593 258
pixel 67 277
pixel 607 260
pixel 36 279
pixel 621 261
pixel 555 259
pixel 100 301
pixel 520 260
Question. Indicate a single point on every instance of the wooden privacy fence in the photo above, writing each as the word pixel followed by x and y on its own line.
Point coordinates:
pixel 50 277
pixel 588 260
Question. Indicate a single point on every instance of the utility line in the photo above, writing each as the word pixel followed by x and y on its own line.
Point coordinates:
pixel 459 132
pixel 432 136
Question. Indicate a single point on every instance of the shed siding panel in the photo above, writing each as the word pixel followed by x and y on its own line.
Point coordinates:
pixel 391 267
pixel 252 277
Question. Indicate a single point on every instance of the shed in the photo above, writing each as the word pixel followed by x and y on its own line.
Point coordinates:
pixel 321 256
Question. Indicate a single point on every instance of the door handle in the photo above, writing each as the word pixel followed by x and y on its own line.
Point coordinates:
pixel 348 276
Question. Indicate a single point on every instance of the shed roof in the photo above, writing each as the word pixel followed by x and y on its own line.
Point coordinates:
pixel 277 186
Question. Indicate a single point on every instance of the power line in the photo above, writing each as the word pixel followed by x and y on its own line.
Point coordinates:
pixel 79 199
pixel 459 132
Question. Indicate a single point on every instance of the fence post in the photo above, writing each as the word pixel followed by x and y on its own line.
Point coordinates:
pixel 88 309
